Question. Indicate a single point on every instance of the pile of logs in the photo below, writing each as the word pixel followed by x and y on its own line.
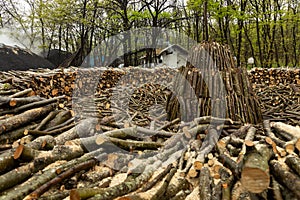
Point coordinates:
pixel 42 156
pixel 52 83
pixel 212 84
pixel 274 76
pixel 49 151
pixel 280 102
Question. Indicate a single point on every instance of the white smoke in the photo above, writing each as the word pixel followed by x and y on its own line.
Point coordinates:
pixel 7 39
pixel 11 38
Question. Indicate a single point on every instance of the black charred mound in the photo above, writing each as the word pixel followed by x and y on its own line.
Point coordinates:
pixel 16 58
pixel 57 56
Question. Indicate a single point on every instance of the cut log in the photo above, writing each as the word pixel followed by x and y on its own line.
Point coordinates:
pixel 294 163
pixel 205 184
pixel 24 118
pixel 248 142
pixel 42 189
pixel 21 93
pixel 283 175
pixel 15 102
pixel 288 131
pixel 255 175
pixel 32 105
pixel 49 117
pixel 41 160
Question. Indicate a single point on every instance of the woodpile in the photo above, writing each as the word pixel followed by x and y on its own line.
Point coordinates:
pixel 280 102
pixel 211 84
pixel 44 158
pixel 274 76
pixel 48 151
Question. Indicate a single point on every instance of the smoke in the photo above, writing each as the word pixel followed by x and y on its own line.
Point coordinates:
pixel 8 37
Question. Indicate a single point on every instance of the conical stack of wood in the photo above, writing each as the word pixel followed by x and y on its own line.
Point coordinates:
pixel 212 84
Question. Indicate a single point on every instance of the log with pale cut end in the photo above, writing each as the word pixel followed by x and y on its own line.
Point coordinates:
pixel 193 172
pixel 208 144
pixel 32 105
pixel 284 176
pixel 42 142
pixel 255 175
pixel 15 134
pixel 24 118
pixel 14 102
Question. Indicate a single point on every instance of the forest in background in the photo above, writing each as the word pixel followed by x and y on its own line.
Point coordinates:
pixel 267 30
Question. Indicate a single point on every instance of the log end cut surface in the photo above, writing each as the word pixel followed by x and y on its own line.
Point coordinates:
pixel 255 180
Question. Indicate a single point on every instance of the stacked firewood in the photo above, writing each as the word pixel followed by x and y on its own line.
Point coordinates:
pixel 52 83
pixel 212 84
pixel 280 102
pixel 274 76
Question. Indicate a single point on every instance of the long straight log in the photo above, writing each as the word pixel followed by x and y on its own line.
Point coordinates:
pixel 41 160
pixel 130 184
pixel 248 141
pixel 294 163
pixel 21 93
pixel 15 134
pixel 20 191
pixel 24 118
pixel 15 102
pixel 32 105
pixel 42 189
pixel 290 132
pixel 49 117
pixel 283 175
pixel 205 184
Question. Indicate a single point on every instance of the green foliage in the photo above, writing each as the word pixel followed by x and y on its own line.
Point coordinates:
pixel 265 30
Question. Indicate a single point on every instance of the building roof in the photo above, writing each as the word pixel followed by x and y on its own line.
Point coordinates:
pixel 173 47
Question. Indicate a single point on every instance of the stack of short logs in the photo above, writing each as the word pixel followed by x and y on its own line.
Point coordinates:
pixel 274 76
pixel 211 84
